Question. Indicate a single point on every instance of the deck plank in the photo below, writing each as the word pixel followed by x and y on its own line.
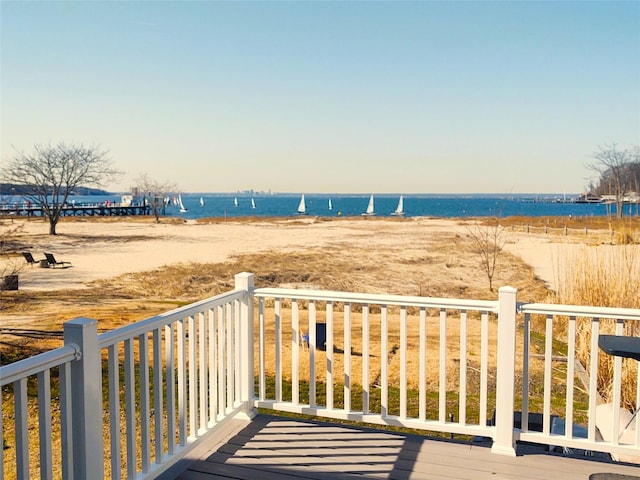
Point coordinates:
pixel 273 447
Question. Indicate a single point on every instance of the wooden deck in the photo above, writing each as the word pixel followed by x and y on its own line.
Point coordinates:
pixel 283 448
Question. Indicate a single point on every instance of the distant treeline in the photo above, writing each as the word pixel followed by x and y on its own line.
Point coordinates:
pixel 13 189
pixel 629 177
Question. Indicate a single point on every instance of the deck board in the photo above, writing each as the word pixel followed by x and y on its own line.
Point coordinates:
pixel 272 447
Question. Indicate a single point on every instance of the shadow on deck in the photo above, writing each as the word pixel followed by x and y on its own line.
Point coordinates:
pixel 272 447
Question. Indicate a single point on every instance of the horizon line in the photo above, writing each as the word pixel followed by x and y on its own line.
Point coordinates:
pixel 267 193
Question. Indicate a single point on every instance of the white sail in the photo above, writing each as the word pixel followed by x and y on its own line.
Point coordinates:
pixel 235 201
pixel 201 202
pixel 302 206
pixel 330 205
pixel 183 209
pixel 399 208
pixel 370 211
pixel 253 203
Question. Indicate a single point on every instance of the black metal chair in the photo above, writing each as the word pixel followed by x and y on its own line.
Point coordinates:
pixel 53 262
pixel 30 260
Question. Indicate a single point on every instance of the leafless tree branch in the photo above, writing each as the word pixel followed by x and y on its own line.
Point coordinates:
pixel 488 240
pixel 52 173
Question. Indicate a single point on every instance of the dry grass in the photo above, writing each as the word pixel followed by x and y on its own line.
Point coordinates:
pixel 602 276
pixel 374 343
pixel 592 230
pixel 445 266
pixel 576 222
pixel 606 276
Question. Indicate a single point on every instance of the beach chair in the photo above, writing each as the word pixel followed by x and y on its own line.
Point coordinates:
pixel 54 263
pixel 29 258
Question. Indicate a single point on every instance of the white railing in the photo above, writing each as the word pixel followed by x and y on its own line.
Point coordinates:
pixel 362 373
pixel 444 365
pixel 197 350
pixel 562 370
pixel 123 376
pixel 16 374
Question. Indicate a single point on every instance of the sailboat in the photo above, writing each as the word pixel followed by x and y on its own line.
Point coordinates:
pixel 235 201
pixel 302 206
pixel 399 208
pixel 253 203
pixel 370 211
pixel 330 205
pixel 201 202
pixel 183 209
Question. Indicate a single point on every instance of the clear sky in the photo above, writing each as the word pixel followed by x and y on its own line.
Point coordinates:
pixel 321 96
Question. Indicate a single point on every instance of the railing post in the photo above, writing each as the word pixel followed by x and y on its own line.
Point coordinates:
pixel 504 441
pixel 86 399
pixel 244 281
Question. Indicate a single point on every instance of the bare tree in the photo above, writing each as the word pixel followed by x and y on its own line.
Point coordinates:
pixel 52 173
pixel 154 193
pixel 616 168
pixel 488 240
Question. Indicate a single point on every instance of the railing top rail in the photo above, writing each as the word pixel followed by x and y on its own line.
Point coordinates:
pixel 130 331
pixel 580 311
pixel 377 299
pixel 38 363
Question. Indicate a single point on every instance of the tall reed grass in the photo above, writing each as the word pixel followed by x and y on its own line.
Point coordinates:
pixel 608 276
pixel 604 275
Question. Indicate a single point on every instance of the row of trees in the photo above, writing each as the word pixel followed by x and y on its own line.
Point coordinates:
pixel 53 172
pixel 619 173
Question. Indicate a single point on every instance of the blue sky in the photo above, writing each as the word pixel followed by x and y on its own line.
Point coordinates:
pixel 388 97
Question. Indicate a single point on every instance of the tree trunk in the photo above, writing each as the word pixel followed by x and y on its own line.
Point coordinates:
pixel 52 227
pixel 619 207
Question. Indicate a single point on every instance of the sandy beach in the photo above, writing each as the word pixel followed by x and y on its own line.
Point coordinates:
pixel 107 249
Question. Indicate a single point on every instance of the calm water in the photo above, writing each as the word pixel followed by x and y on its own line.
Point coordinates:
pixel 284 205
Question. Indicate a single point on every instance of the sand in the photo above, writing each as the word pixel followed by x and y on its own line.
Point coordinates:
pixel 107 249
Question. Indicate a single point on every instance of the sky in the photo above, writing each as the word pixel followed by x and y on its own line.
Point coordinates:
pixel 324 96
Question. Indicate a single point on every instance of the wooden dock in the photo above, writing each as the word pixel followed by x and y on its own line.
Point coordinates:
pixel 96 210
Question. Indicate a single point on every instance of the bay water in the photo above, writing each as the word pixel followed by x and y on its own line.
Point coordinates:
pixel 222 205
